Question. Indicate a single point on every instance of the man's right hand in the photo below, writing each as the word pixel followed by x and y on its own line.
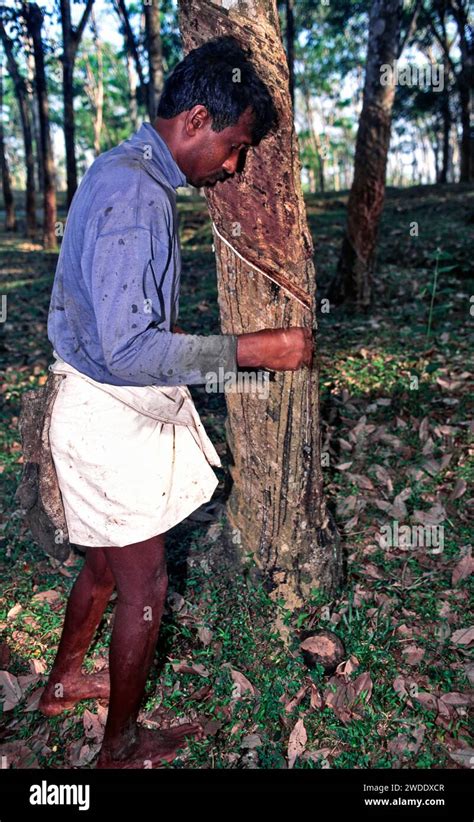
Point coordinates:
pixel 277 349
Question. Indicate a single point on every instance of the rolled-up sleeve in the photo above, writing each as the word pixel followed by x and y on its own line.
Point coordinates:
pixel 133 294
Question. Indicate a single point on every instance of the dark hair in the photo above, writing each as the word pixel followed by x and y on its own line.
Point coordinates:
pixel 207 75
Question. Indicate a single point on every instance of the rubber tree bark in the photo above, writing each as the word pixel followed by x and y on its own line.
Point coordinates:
pixel 276 509
pixel 35 24
pixel 10 218
pixel 155 61
pixel 71 39
pixel 21 94
pixel 353 279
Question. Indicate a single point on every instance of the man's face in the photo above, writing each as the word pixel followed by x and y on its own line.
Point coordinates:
pixel 208 156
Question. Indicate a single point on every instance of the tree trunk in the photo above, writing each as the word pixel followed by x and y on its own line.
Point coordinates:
pixel 155 61
pixel 67 59
pixel 99 107
pixel 33 104
pixel 446 113
pixel 71 40
pixel 35 24
pixel 95 88
pixel 132 86
pixel 276 509
pixel 353 280
pixel 465 81
pixel 69 126
pixel 22 98
pixel 10 218
pixel 467 147
pixel 130 42
pixel 290 48
pixel 314 137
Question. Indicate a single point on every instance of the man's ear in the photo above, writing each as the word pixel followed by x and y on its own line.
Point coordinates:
pixel 197 118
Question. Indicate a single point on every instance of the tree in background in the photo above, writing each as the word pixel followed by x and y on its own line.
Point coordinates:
pixel 434 17
pixel 10 44
pixel 94 86
pixel 323 53
pixel 34 21
pixel 353 280
pixel 98 64
pixel 276 506
pixel 290 47
pixel 149 89
pixel 10 217
pixel 155 59
pixel 71 39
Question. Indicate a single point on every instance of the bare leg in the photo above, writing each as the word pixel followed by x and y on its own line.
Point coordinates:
pixel 87 602
pixel 140 573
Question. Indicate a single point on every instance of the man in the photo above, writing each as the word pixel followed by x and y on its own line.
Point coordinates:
pixel 127 466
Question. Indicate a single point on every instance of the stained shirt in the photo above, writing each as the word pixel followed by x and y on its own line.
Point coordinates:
pixel 115 295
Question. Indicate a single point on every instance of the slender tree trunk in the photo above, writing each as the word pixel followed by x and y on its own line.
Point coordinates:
pixel 446 111
pixel 131 44
pixel 132 86
pixel 353 280
pixel 68 59
pixel 155 60
pixel 467 144
pixel 71 40
pixel 69 127
pixel 33 104
pixel 22 98
pixel 436 151
pixel 464 77
pixel 315 138
pixel 35 24
pixel 95 88
pixel 276 509
pixel 99 109
pixel 10 218
pixel 290 48
pixel 465 81
pixel 446 120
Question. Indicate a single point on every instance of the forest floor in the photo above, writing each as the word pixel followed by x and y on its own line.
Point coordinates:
pixel 395 423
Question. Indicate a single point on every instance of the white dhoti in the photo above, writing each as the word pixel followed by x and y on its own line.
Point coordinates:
pixel 131 462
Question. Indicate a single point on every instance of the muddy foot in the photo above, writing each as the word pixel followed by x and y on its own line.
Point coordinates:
pixel 152 748
pixel 84 686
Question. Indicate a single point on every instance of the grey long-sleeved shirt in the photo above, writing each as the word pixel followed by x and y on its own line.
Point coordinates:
pixel 115 295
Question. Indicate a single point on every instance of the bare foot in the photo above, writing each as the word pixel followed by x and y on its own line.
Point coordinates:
pixel 82 686
pixel 151 748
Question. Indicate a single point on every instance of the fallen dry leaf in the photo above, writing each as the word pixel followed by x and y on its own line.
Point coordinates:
pixel 241 685
pixel 406 744
pixel 11 689
pixel 292 703
pixel 184 667
pixel 413 654
pixel 463 637
pixel 52 597
pixel 297 742
pixel 460 487
pixel 434 516
pixel 17 755
pixel 463 569
pixel 463 756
